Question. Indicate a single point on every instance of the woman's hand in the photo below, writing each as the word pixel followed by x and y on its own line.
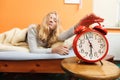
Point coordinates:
pixel 62 50
pixel 88 20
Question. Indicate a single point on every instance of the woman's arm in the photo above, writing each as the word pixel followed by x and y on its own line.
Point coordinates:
pixel 32 41
pixel 86 21
pixel 67 34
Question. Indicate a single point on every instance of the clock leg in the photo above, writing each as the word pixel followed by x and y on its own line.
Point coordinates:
pixel 80 61
pixel 101 62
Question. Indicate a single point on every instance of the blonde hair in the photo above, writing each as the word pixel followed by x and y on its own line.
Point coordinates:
pixel 45 34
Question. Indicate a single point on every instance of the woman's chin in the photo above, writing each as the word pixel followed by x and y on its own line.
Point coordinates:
pixel 51 28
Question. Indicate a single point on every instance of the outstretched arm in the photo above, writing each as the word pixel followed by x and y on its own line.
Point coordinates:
pixel 66 34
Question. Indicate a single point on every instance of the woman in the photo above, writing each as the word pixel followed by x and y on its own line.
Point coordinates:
pixel 47 33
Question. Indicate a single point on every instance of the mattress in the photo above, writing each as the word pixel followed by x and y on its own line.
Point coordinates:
pixel 17 55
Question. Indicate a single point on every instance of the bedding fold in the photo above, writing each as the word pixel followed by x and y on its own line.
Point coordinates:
pixel 16 40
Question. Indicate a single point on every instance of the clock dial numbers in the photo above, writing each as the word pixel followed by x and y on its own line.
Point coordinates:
pixel 102 46
pixel 82 51
pixel 100 51
pixel 96 55
pixel 82 41
pixel 100 40
pixel 86 53
pixel 91 45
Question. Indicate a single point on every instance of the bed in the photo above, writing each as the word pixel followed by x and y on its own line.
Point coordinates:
pixel 34 63
pixel 17 61
pixel 31 62
pixel 15 55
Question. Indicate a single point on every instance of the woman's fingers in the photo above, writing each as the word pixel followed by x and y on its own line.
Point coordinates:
pixel 62 50
pixel 65 50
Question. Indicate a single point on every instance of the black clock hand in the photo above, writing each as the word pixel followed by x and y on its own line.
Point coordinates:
pixel 90 55
pixel 91 47
pixel 89 41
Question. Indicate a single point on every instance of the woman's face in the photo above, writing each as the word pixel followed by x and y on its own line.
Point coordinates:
pixel 52 21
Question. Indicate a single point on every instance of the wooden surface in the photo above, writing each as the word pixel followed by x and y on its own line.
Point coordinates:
pixel 35 66
pixel 91 71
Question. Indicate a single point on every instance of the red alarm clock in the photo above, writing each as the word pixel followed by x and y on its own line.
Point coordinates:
pixel 90 44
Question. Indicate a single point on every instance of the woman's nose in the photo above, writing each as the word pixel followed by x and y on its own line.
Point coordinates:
pixel 51 21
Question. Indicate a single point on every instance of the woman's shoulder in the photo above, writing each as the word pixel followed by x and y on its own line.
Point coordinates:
pixel 32 26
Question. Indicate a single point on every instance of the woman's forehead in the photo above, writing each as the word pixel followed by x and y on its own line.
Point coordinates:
pixel 53 15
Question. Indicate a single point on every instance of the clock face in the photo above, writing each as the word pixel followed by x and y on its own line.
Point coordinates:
pixel 90 46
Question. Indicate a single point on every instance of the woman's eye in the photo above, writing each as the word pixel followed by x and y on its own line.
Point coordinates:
pixel 55 21
pixel 49 17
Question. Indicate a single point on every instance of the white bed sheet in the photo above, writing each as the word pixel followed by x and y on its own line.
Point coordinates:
pixel 16 55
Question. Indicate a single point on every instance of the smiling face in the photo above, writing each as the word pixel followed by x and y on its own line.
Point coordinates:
pixel 52 21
